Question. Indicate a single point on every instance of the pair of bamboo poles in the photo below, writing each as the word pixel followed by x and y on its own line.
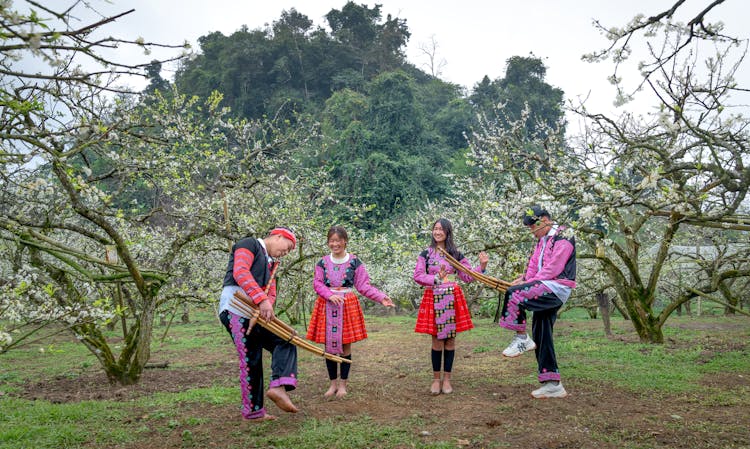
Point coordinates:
pixel 497 284
pixel 284 331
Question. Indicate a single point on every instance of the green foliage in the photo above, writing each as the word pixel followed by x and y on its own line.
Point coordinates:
pixel 292 67
pixel 523 86
pixel 383 152
pixel 156 82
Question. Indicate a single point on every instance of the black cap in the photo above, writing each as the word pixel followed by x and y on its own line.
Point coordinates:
pixel 533 214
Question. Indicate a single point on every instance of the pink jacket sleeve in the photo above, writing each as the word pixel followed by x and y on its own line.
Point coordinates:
pixel 421 276
pixel 533 265
pixel 463 276
pixel 319 284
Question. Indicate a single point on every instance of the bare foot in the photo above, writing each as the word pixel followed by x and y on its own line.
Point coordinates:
pixel 447 387
pixel 331 390
pixel 281 399
pixel 435 388
pixel 265 417
pixel 342 390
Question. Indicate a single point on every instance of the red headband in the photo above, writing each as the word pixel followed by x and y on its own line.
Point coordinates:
pixel 286 233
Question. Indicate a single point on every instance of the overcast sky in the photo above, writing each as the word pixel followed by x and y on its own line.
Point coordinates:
pixel 474 37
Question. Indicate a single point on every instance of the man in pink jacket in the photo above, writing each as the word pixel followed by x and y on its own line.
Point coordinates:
pixel 543 289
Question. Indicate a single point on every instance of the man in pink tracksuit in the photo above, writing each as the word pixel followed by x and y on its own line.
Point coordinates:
pixel 543 289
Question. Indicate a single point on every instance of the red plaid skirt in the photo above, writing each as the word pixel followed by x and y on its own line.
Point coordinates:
pixel 354 321
pixel 426 315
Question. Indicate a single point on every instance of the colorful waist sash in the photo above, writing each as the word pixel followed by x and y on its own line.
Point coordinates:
pixel 335 322
pixel 443 303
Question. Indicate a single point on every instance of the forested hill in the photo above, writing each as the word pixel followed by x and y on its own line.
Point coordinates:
pixel 391 130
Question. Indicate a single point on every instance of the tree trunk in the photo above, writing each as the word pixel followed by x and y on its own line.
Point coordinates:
pixel 127 369
pixel 649 330
pixel 731 299
pixel 646 324
pixel 185 318
pixel 603 300
pixel 143 350
pixel 688 308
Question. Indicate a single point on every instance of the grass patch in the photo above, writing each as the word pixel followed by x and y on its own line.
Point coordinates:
pixel 40 424
pixel 40 361
pixel 213 396
pixel 646 368
pixel 637 367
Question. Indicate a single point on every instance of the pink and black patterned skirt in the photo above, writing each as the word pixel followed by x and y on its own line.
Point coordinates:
pixel 446 316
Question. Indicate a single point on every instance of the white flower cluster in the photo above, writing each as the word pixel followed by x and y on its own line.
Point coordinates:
pixel 28 298
pixel 5 340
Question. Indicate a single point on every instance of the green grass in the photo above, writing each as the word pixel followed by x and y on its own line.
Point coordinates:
pixel 637 367
pixel 213 396
pixel 675 367
pixel 586 354
pixel 40 424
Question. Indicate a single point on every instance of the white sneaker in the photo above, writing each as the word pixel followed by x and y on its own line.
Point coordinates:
pixel 518 346
pixel 550 390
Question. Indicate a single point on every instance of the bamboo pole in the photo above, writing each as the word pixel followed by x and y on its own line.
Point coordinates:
pixel 497 284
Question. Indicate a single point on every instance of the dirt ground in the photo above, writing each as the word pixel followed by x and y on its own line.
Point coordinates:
pixel 491 405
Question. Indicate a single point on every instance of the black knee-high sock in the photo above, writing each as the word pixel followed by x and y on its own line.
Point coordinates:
pixel 332 369
pixel 345 367
pixel 436 359
pixel 449 356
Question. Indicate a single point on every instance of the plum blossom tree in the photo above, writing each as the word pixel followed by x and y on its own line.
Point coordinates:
pixel 631 183
pixel 112 205
pixel 47 96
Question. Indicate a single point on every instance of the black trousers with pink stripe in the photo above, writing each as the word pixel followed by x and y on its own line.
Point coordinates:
pixel 250 351
pixel 537 298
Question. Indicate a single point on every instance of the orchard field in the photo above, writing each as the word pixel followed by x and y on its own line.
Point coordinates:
pixel 691 392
